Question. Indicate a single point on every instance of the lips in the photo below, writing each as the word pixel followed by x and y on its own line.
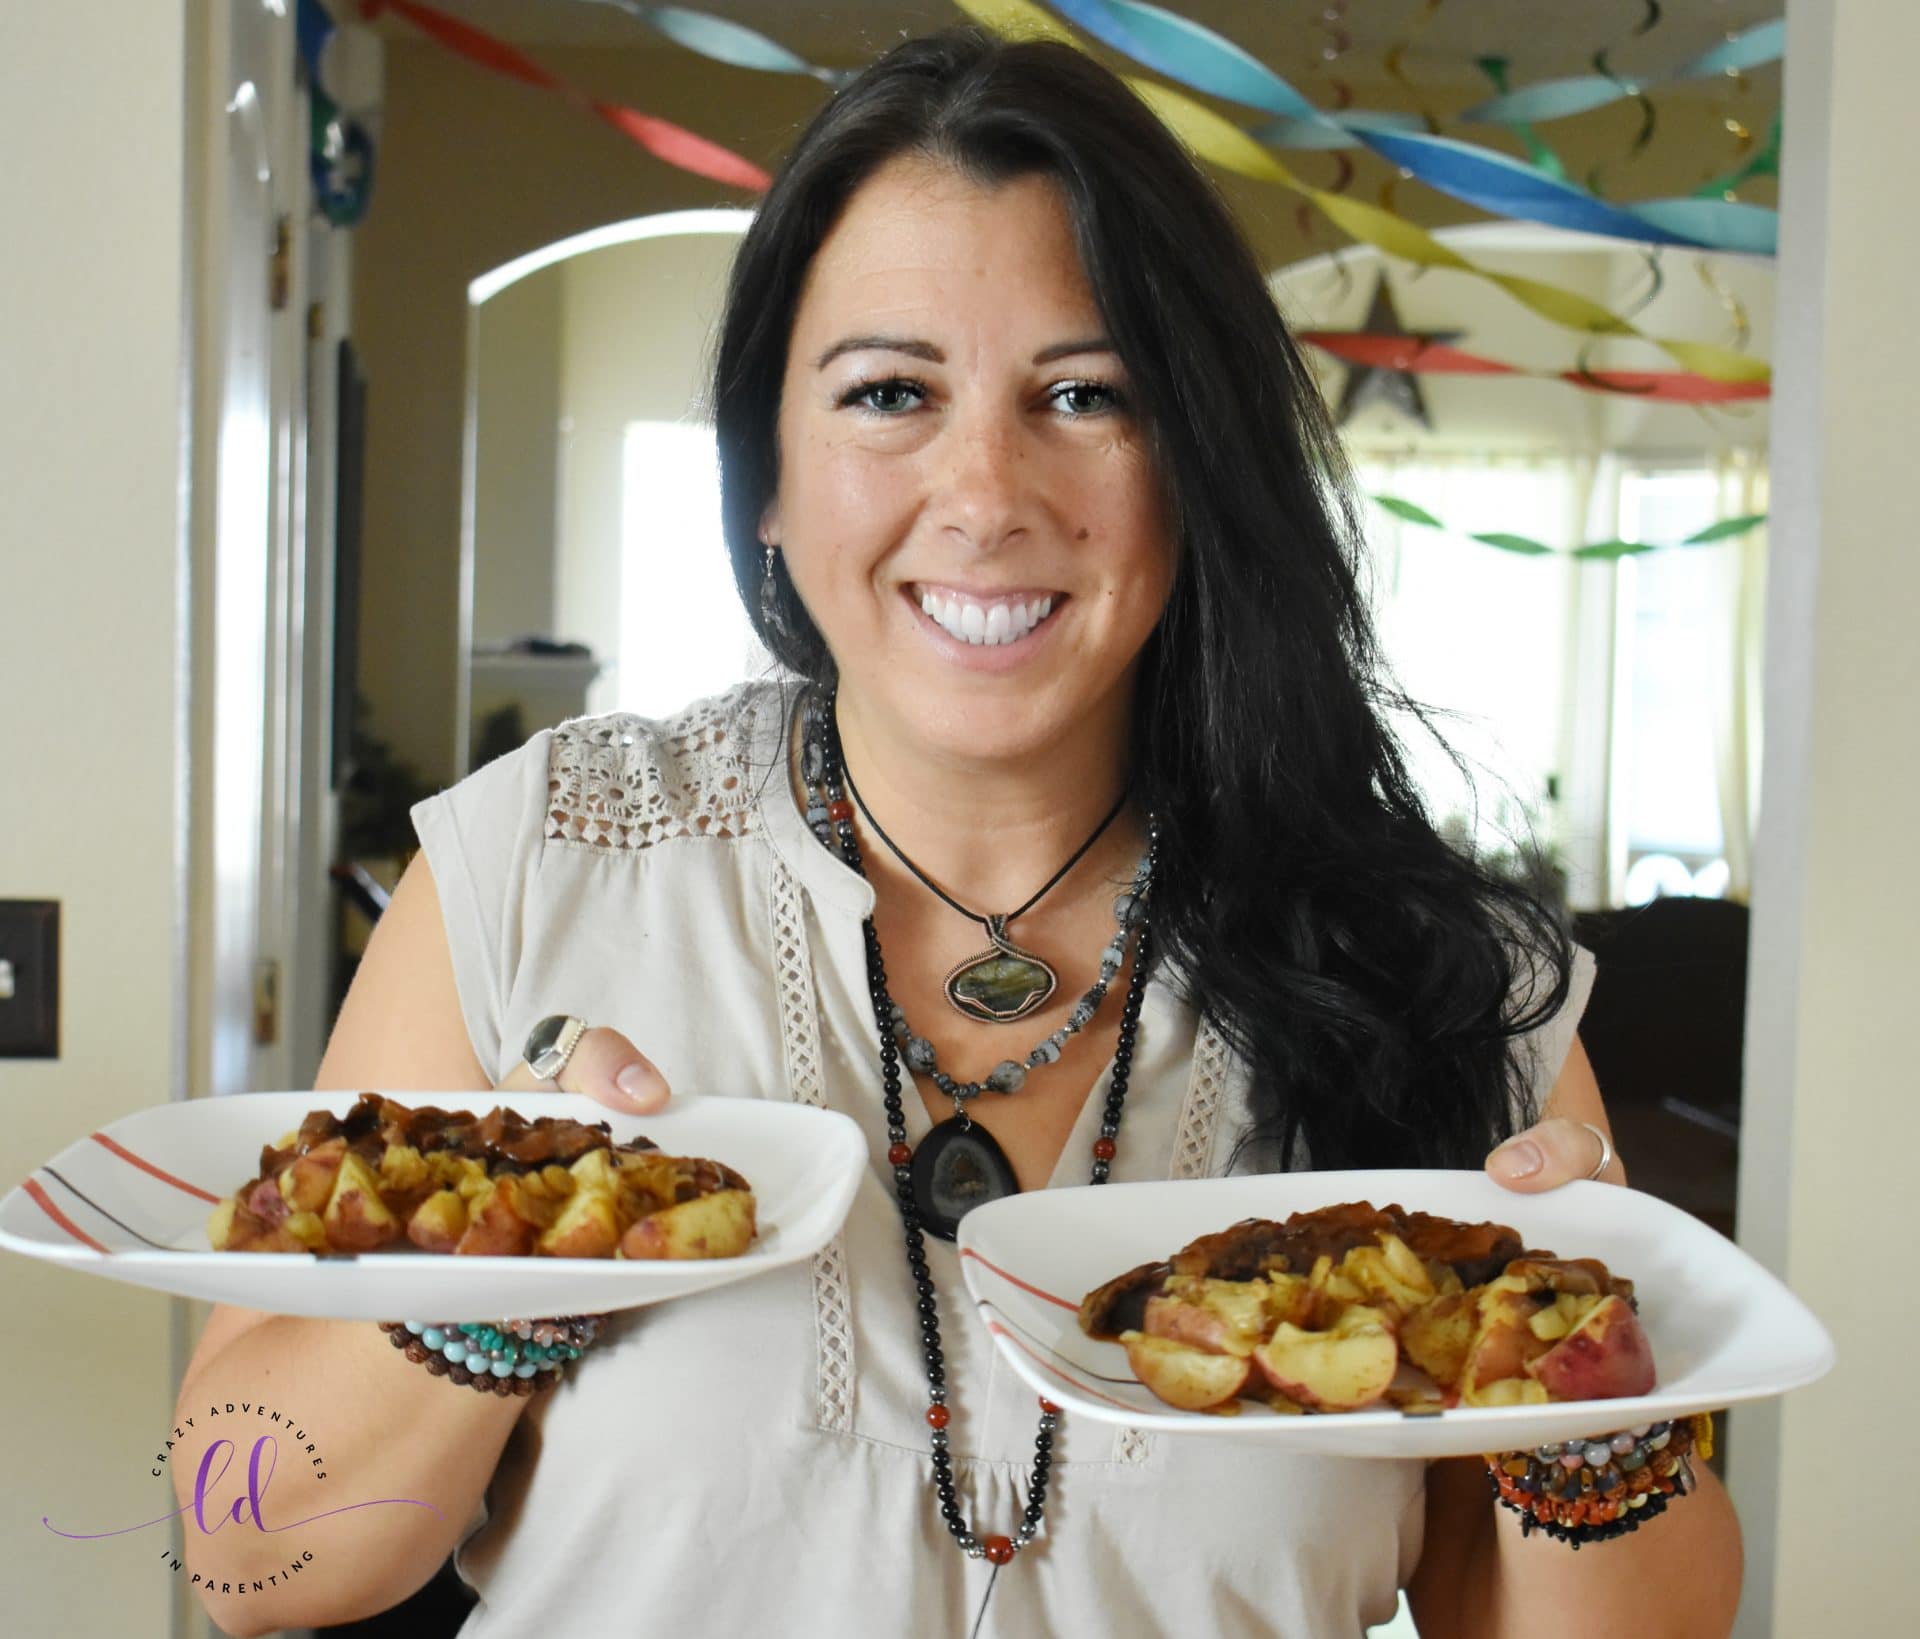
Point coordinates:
pixel 986 620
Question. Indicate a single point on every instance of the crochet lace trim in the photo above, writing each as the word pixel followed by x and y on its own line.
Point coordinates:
pixel 624 782
pixel 800 1040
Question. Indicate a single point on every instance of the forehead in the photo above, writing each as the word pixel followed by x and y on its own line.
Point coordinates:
pixel 919 237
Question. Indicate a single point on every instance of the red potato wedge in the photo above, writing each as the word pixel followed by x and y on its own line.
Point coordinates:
pixel 356 1219
pixel 1439 1337
pixel 719 1225
pixel 1606 1357
pixel 1187 1378
pixel 1220 1316
pixel 1343 1369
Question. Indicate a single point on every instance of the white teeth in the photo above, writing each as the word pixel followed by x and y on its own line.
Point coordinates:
pixel 988 626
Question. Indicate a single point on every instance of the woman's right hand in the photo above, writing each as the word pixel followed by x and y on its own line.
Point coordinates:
pixel 605 1067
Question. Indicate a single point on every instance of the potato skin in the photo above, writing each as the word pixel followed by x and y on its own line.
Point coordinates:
pixel 438 1222
pixel 720 1225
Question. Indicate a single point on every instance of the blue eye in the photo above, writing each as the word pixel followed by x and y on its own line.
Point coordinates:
pixel 1114 398
pixel 861 394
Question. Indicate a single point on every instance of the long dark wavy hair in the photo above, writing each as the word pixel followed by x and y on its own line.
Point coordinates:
pixel 1376 980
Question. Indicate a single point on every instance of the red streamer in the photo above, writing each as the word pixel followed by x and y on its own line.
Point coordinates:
pixel 1435 359
pixel 674 144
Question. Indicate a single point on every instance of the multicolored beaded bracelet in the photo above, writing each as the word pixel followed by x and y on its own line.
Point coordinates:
pixel 1589 1490
pixel 502 1357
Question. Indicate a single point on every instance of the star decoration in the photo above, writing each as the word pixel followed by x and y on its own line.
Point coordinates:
pixel 1391 381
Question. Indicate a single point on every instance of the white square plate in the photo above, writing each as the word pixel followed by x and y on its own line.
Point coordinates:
pixel 1723 1329
pixel 131 1202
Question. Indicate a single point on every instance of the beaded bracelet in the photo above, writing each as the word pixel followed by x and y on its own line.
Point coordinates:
pixel 502 1357
pixel 1589 1490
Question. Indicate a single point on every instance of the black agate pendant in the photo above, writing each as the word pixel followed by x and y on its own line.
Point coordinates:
pixel 1003 984
pixel 956 1168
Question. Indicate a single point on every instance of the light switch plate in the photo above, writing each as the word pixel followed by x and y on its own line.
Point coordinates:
pixel 30 946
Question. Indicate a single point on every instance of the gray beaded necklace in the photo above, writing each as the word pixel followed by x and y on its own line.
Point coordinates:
pixel 1009 1075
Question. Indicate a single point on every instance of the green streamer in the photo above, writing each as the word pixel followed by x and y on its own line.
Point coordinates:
pixel 1766 162
pixel 1604 551
pixel 1543 158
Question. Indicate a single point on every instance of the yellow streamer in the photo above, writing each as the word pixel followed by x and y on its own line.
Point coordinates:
pixel 1219 141
pixel 1226 145
pixel 1018 20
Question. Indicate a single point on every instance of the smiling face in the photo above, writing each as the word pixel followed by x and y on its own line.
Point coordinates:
pixel 966 503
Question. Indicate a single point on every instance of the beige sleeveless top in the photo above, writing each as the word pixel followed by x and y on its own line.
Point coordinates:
pixel 754 1460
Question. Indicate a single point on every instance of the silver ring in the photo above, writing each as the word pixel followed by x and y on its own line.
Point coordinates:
pixel 1606 1151
pixel 551 1043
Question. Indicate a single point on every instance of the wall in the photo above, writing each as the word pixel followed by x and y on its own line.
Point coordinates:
pixel 516 467
pixel 474 172
pixel 640 323
pixel 1832 1125
pixel 91 463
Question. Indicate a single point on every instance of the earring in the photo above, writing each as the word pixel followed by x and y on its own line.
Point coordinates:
pixel 769 593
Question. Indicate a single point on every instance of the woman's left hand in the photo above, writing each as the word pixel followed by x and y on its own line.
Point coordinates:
pixel 1558 1148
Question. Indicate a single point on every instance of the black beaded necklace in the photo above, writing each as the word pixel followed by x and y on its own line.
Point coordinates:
pixel 998 1550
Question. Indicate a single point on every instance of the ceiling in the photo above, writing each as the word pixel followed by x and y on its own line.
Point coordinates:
pixel 1440 38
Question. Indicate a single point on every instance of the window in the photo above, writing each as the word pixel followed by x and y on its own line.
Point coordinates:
pixel 1669 650
pixel 683 633
pixel 1477 633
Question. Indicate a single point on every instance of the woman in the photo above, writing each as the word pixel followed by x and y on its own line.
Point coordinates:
pixel 1024 478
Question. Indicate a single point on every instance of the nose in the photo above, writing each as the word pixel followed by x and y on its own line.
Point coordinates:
pixel 983 496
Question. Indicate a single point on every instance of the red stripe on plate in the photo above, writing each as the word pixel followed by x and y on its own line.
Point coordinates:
pixel 1079 1383
pixel 40 1198
pixel 1015 1280
pixel 161 1173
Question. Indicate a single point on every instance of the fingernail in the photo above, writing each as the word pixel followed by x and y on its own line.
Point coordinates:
pixel 638 1083
pixel 1519 1159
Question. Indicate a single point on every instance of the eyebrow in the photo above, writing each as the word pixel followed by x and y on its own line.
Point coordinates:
pixel 914 348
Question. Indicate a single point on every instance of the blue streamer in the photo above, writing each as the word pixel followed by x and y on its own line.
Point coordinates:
pixel 1557 99
pixel 1195 56
pixel 724 41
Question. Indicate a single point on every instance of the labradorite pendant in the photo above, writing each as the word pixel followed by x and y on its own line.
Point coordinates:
pixel 956 1168
pixel 1001 985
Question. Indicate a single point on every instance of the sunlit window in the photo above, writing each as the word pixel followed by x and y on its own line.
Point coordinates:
pixel 683 633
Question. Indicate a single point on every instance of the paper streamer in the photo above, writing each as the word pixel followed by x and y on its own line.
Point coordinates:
pixel 725 41
pixel 1548 100
pixel 1764 163
pixel 1198 58
pixel 1399 353
pixel 1217 140
pixel 1543 158
pixel 1226 145
pixel 1606 551
pixel 675 144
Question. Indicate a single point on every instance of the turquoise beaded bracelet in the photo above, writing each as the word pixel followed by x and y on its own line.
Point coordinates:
pixel 500 1357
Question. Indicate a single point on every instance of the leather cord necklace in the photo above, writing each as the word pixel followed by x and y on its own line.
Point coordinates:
pixel 1003 983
